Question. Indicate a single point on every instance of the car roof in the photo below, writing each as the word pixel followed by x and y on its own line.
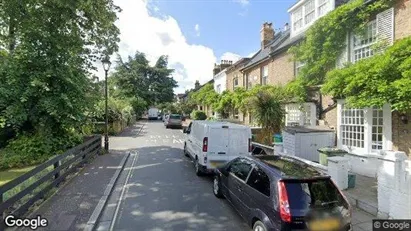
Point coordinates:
pixel 287 168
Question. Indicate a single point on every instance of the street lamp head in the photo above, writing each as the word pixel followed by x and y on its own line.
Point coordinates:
pixel 106 64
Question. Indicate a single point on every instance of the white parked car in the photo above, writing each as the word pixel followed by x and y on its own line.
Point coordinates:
pixel 211 144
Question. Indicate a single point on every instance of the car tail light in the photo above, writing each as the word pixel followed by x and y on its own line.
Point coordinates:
pixel 205 144
pixel 250 146
pixel 284 205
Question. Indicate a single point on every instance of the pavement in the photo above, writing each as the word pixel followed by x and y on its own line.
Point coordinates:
pixel 157 189
pixel 73 204
pixel 362 221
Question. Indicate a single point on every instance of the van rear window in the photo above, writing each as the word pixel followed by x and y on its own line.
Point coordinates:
pixel 313 194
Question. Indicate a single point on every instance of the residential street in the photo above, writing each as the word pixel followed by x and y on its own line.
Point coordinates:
pixel 162 191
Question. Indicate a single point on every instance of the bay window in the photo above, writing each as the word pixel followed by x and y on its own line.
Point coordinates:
pixel 298 19
pixel 305 12
pixel 309 11
pixel 363 131
pixel 323 7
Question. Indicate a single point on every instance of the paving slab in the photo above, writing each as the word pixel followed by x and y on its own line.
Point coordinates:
pixel 362 221
pixel 73 204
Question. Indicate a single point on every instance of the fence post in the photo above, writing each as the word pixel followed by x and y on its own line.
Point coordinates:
pixel 56 165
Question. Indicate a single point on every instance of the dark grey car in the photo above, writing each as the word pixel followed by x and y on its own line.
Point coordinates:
pixel 277 193
pixel 173 120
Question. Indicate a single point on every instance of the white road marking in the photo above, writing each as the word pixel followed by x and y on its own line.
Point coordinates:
pixel 175 141
pixel 122 192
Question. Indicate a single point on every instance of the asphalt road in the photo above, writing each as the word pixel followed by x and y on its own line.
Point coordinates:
pixel 161 190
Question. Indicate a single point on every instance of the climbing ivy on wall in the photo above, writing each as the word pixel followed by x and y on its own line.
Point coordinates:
pixel 325 40
pixel 383 78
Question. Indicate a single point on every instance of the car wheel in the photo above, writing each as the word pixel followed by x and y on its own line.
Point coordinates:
pixel 185 150
pixel 197 167
pixel 217 187
pixel 259 226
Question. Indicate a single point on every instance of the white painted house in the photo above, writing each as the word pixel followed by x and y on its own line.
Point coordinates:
pixel 220 81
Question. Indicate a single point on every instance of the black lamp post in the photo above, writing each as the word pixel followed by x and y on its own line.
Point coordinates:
pixel 106 65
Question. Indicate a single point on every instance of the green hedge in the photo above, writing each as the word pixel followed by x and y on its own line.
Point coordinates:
pixel 31 149
pixel 198 115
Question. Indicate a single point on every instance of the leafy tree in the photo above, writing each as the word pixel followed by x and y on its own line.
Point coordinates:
pixel 55 62
pixel 136 78
pixel 49 50
pixel 225 104
pixel 186 107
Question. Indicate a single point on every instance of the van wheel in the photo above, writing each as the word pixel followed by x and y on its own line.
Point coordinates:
pixel 259 226
pixel 197 167
pixel 217 187
pixel 185 150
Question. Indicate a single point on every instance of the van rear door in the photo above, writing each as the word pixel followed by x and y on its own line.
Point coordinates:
pixel 238 142
pixel 218 142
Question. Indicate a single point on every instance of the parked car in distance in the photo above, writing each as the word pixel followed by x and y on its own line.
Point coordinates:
pixel 211 143
pixel 173 120
pixel 278 193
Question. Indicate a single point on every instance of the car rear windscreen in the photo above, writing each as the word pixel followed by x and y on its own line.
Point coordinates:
pixel 176 117
pixel 313 194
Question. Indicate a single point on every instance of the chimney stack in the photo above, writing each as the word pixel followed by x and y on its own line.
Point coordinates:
pixel 223 65
pixel 286 27
pixel 267 34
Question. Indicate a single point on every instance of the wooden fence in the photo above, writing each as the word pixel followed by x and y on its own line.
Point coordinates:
pixel 18 195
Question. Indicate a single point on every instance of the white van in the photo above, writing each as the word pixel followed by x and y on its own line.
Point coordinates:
pixel 153 113
pixel 211 143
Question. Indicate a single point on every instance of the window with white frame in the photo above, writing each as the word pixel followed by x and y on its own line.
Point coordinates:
pixel 293 115
pixel 363 131
pixel 298 66
pixel 218 88
pixel 303 115
pixel 264 74
pixel 352 127
pixel 362 44
pixel 323 7
pixel 309 12
pixel 298 19
pixel 377 129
